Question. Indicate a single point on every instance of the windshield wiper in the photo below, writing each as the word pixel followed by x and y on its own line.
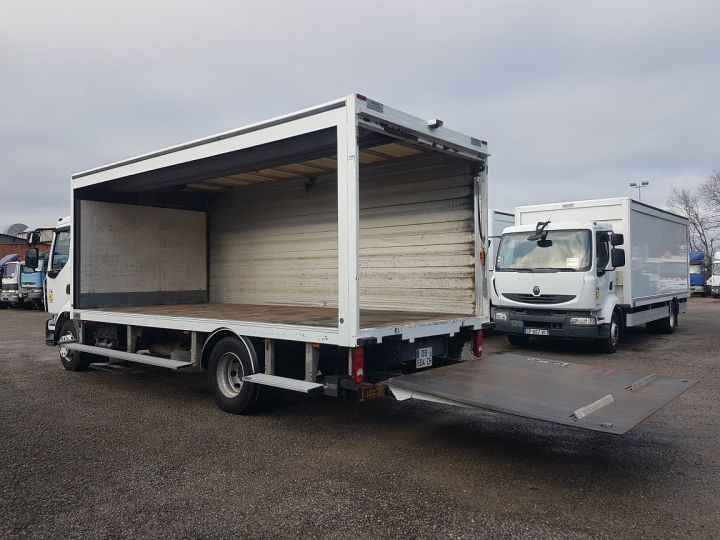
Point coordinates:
pixel 555 270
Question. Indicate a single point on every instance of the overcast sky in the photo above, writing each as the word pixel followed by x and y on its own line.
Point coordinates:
pixel 575 98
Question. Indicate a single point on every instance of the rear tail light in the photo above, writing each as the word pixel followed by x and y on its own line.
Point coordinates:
pixel 478 345
pixel 358 365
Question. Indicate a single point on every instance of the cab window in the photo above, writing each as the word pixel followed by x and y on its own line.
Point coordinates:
pixel 61 251
pixel 602 257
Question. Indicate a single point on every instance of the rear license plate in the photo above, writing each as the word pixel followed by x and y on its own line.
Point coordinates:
pixel 423 357
pixel 537 332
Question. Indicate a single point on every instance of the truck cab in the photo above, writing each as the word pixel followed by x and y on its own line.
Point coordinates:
pixel 559 280
pixel 58 279
pixel 698 278
pixel 11 283
pixel 32 280
pixel 714 281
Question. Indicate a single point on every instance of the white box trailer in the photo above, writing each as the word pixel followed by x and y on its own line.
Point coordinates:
pixel 576 294
pixel 336 249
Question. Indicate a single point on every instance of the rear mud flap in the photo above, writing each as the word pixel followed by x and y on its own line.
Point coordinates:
pixel 561 392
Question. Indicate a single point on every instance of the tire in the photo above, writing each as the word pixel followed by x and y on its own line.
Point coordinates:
pixel 609 344
pixel 72 360
pixel 230 360
pixel 666 325
pixel 519 341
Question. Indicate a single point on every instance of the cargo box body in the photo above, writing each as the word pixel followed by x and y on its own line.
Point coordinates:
pixel 345 222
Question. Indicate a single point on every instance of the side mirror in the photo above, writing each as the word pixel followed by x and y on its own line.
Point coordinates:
pixel 34 238
pixel 32 258
pixel 617 239
pixel 617 257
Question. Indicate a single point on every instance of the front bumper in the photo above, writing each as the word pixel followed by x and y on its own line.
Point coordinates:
pixel 715 290
pixel 548 324
pixel 9 296
pixel 697 289
pixel 50 331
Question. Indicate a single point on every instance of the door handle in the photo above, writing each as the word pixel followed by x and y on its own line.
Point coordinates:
pixel 67 289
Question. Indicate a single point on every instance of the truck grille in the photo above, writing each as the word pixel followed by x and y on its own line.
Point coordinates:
pixel 9 287
pixel 541 299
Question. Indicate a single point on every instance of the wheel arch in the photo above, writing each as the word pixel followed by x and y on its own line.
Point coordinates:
pixel 59 321
pixel 222 333
pixel 612 305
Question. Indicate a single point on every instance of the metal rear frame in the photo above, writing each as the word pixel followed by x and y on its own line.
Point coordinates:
pixel 346 115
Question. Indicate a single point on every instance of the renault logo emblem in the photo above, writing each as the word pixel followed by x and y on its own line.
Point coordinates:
pixel 536 291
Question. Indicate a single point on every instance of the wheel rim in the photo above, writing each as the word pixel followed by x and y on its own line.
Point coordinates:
pixel 229 374
pixel 65 354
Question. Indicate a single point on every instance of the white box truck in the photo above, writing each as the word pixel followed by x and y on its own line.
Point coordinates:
pixel 714 281
pixel 333 250
pixel 497 222
pixel 561 271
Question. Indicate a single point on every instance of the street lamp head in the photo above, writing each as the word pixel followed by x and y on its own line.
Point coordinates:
pixel 633 184
pixel 645 182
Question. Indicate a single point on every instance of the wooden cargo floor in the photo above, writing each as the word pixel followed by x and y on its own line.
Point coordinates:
pixel 290 315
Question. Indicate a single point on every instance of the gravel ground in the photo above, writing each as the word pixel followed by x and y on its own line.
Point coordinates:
pixel 143 452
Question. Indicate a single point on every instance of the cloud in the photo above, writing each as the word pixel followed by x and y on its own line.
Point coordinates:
pixel 576 99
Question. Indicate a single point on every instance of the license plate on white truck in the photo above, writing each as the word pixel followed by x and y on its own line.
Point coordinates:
pixel 536 332
pixel 423 357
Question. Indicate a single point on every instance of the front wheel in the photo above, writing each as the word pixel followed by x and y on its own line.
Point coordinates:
pixel 231 360
pixel 609 344
pixel 71 360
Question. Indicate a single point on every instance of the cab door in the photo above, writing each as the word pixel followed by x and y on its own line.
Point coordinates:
pixel 605 277
pixel 59 275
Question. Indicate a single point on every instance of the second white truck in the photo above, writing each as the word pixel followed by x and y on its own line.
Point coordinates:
pixel 588 269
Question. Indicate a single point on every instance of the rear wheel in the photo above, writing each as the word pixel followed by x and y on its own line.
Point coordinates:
pixel 668 324
pixel 610 343
pixel 519 341
pixel 230 360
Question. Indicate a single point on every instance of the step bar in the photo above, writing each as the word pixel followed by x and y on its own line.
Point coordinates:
pixel 126 356
pixel 283 382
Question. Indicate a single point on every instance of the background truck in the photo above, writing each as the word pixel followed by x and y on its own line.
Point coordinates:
pixel 560 272
pixel 698 273
pixel 8 267
pixel 333 250
pixel 22 286
pixel 497 221
pixel 714 281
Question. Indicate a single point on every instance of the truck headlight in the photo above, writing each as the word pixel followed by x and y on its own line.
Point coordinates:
pixel 583 321
pixel 500 316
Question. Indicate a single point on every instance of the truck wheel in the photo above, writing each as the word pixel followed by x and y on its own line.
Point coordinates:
pixel 519 341
pixel 609 344
pixel 72 360
pixel 230 360
pixel 666 325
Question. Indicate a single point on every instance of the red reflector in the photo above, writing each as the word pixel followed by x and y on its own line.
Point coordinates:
pixel 358 365
pixel 478 348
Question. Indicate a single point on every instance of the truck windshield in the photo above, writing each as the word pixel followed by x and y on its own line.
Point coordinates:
pixel 561 251
pixel 696 269
pixel 10 270
pixel 716 269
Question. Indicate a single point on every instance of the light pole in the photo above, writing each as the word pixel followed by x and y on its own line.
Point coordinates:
pixel 643 184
